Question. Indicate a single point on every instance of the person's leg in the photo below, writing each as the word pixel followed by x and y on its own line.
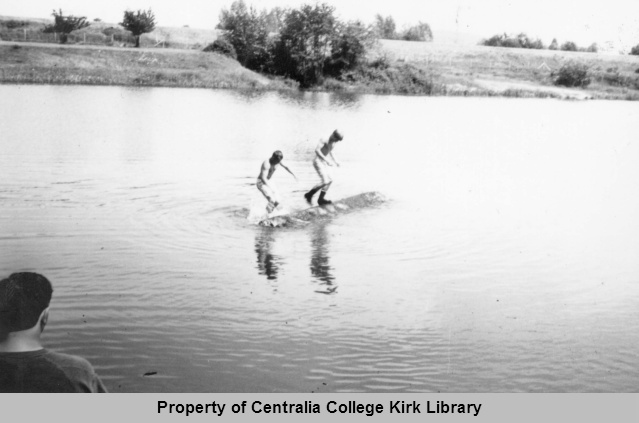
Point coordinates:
pixel 325 180
pixel 309 195
pixel 269 195
pixel 271 206
pixel 321 200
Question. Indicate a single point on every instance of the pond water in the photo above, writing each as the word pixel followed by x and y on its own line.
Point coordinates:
pixel 505 259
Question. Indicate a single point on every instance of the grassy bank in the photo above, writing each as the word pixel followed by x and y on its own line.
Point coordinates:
pixel 483 70
pixel 91 65
pixel 398 67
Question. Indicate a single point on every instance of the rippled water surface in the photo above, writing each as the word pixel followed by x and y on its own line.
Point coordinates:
pixel 506 258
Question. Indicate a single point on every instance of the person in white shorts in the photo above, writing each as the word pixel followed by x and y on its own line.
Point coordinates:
pixel 264 186
pixel 321 163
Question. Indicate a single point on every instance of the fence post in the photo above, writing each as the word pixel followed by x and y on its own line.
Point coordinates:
pixel 25 34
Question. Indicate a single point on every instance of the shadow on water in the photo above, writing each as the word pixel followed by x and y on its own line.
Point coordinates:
pixel 320 261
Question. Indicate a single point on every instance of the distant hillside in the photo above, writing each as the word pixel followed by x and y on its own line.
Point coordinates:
pixel 455 37
pixel 100 33
pixel 177 37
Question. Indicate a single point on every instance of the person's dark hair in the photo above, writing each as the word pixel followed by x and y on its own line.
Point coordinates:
pixel 278 155
pixel 337 136
pixel 23 297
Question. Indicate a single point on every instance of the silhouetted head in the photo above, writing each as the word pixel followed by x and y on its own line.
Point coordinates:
pixel 276 157
pixel 336 136
pixel 23 298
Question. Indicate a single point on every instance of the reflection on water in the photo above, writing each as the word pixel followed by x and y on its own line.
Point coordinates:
pixel 268 264
pixel 320 260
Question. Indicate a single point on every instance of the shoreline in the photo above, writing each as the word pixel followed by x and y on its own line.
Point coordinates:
pixel 434 70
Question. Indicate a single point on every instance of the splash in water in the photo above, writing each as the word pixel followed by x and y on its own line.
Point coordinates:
pixel 257 211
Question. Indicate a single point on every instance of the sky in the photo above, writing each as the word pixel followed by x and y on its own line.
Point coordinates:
pixel 612 22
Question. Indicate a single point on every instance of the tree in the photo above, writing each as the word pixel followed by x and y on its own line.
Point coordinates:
pixel 419 32
pixel 537 44
pixel 274 19
pixel 554 45
pixel 305 43
pixel 494 41
pixel 527 42
pixel 520 41
pixel 247 31
pixel 635 50
pixel 349 47
pixel 385 27
pixel 64 25
pixel 569 46
pixel 138 23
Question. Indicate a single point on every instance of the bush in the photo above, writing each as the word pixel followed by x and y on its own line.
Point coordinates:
pixel 569 46
pixel 494 41
pixel 572 75
pixel 554 45
pixel 119 35
pixel 511 43
pixel 381 62
pixel 114 31
pixel 613 77
pixel 536 45
pixel 635 50
pixel 419 32
pixel 520 41
pixel 13 24
pixel 222 46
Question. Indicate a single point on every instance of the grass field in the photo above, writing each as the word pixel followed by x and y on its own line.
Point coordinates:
pixel 173 57
pixel 474 67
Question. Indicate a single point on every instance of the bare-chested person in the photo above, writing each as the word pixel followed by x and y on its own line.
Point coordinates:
pixel 263 180
pixel 321 164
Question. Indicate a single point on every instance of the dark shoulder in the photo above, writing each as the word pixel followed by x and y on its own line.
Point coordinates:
pixel 33 371
pixel 68 360
pixel 79 371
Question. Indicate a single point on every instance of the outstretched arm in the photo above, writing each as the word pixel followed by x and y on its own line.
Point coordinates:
pixel 288 170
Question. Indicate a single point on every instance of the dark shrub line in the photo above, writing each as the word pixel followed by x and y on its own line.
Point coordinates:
pixel 523 41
